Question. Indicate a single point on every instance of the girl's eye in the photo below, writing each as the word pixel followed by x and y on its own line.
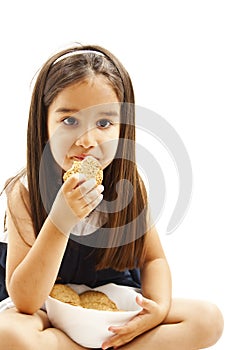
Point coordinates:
pixel 70 121
pixel 104 123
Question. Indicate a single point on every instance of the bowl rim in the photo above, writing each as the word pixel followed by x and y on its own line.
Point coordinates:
pixel 136 311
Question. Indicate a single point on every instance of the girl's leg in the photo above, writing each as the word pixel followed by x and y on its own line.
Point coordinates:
pixel 189 325
pixel 27 332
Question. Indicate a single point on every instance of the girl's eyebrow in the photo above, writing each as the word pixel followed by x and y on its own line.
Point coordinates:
pixel 105 113
pixel 109 113
pixel 66 110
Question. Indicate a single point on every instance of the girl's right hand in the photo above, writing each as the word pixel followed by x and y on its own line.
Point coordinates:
pixel 75 200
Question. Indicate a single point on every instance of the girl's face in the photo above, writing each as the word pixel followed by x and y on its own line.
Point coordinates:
pixel 84 119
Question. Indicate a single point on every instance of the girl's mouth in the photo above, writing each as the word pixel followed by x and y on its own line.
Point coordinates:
pixel 79 157
pixel 83 156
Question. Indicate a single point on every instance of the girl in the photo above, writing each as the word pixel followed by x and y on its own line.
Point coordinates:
pixel 77 232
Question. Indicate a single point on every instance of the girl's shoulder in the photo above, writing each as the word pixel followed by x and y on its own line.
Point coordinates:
pixel 18 211
pixel 16 191
pixel 24 180
pixel 13 184
pixel 14 199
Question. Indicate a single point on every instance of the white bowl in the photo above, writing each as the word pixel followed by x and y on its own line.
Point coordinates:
pixel 89 327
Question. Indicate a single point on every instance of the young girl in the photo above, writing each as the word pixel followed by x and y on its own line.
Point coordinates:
pixel 78 232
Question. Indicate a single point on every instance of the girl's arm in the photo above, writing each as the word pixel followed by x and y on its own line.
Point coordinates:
pixel 156 276
pixel 32 271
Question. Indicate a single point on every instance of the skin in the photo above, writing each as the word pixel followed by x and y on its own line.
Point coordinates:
pixel 164 323
pixel 84 119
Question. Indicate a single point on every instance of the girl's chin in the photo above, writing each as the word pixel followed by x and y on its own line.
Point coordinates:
pixel 104 165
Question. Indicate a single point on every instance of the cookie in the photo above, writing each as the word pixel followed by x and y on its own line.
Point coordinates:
pixel 65 294
pixel 89 166
pixel 90 299
pixel 97 300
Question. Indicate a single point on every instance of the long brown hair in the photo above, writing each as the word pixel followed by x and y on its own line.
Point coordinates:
pixel 125 248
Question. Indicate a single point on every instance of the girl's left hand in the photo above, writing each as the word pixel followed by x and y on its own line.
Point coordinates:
pixel 148 318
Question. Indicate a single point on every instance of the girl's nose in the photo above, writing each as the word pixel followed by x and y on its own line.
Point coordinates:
pixel 87 139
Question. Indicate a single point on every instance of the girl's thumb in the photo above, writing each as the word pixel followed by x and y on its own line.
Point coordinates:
pixel 143 302
pixel 139 299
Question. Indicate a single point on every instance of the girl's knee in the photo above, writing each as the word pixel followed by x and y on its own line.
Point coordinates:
pixel 10 336
pixel 216 321
pixel 209 322
pixel 13 333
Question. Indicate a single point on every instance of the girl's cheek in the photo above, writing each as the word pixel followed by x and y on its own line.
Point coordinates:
pixel 108 158
pixel 60 147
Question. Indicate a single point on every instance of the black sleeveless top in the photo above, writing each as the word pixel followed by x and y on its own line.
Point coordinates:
pixel 78 267
pixel 3 250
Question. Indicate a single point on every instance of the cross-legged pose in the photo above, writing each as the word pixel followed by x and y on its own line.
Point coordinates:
pixel 78 231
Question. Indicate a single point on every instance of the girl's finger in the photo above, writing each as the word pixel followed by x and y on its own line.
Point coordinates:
pixel 91 206
pixel 77 189
pixel 89 198
pixel 139 299
pixel 93 194
pixel 83 189
pixel 73 181
pixel 145 303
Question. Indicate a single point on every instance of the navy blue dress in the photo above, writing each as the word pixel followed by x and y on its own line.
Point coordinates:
pixel 3 251
pixel 78 267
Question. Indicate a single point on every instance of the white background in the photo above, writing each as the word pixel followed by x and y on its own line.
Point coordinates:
pixel 179 55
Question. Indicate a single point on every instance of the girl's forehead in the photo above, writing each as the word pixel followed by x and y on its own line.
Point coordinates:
pixel 86 93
